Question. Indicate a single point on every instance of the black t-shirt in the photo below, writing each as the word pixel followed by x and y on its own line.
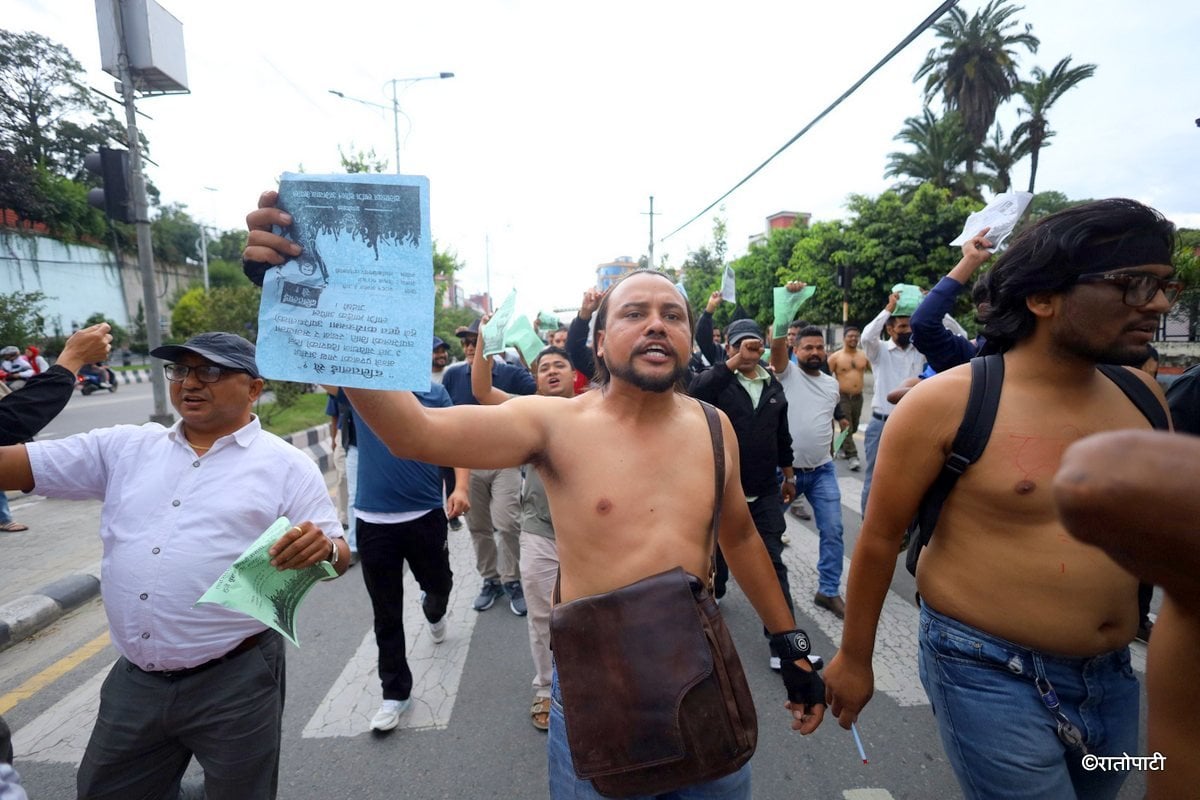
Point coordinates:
pixel 1183 398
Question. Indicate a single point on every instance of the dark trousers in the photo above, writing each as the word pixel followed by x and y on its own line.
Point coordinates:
pixel 852 405
pixel 767 513
pixel 382 551
pixel 229 716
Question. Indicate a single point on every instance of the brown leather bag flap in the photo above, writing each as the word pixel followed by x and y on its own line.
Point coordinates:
pixel 625 661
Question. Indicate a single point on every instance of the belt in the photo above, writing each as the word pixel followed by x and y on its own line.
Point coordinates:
pixel 878 416
pixel 807 470
pixel 249 643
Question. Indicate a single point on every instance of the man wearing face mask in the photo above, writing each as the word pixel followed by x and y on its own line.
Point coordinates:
pixel 892 363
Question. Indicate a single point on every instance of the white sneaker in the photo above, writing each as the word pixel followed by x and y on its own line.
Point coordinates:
pixel 853 464
pixel 388 715
pixel 437 631
pixel 785 539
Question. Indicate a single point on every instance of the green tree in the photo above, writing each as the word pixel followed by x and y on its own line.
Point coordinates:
pixel 1187 268
pixel 974 68
pixel 189 314
pixel 139 339
pixel 704 269
pixel 939 150
pixel 49 118
pixel 888 240
pixel 1000 155
pixel 760 270
pixel 175 236
pixel 22 320
pixel 1039 94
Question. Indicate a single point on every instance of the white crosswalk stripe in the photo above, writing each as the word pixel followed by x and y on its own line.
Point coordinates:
pixel 354 697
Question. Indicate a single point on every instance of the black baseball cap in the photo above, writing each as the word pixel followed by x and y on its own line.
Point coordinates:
pixel 223 349
pixel 471 330
pixel 741 329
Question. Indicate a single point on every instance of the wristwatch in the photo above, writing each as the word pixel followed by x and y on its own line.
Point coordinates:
pixel 333 557
pixel 791 480
pixel 791 645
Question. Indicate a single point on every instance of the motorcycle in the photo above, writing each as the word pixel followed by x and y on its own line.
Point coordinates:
pixel 94 381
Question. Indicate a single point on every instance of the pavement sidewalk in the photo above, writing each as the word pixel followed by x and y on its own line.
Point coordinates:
pixel 54 566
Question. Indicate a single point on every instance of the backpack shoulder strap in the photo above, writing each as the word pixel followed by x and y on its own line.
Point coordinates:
pixel 1138 393
pixel 987 379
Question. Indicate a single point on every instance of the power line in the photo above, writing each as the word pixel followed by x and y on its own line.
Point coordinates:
pixel 928 21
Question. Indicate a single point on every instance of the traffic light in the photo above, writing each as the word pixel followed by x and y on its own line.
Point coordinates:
pixel 841 277
pixel 113 168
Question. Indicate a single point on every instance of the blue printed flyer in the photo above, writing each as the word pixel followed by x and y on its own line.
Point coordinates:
pixel 355 308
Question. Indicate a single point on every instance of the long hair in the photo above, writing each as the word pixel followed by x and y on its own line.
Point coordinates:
pixel 1056 250
pixel 603 377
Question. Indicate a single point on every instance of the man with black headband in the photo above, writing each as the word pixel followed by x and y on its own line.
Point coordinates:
pixel 1024 698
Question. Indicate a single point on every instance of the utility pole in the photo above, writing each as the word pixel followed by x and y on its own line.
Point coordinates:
pixel 652 215
pixel 141 217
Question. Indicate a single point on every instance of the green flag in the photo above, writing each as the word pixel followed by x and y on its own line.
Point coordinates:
pixel 910 298
pixel 494 332
pixel 787 304
pixel 520 335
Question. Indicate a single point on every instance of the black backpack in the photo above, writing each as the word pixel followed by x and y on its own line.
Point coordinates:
pixel 987 378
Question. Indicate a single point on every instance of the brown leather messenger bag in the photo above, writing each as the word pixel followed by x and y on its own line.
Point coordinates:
pixel 654 696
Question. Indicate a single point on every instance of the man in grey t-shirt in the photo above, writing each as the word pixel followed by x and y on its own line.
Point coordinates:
pixel 813 405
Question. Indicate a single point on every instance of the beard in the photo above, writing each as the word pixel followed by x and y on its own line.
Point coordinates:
pixel 657 384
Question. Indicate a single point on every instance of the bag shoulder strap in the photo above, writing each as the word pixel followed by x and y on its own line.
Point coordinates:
pixel 1138 393
pixel 718 445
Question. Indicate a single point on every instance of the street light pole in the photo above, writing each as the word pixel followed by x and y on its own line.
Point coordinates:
pixel 395 106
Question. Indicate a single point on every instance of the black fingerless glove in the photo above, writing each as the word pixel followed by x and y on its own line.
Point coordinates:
pixel 255 270
pixel 803 688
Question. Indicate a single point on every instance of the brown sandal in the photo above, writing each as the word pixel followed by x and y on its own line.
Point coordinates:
pixel 13 527
pixel 539 713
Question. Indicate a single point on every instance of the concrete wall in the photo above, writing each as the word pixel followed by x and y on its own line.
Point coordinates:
pixel 80 280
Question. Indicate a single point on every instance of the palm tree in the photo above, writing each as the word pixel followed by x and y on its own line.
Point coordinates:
pixel 939 149
pixel 1000 156
pixel 975 66
pixel 1039 94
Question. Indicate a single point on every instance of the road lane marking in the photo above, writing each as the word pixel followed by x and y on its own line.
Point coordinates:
pixel 52 673
pixel 347 708
pixel 61 733
pixel 867 794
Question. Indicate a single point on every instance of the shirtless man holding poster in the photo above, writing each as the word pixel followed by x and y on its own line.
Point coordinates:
pixel 619 516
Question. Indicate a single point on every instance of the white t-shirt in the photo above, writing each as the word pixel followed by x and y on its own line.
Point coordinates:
pixel 811 402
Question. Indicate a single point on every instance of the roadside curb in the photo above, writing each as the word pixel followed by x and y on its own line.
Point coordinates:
pixel 25 616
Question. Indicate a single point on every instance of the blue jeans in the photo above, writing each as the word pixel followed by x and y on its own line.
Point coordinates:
pixel 871 446
pixel 352 492
pixel 565 785
pixel 5 511
pixel 821 488
pixel 1000 738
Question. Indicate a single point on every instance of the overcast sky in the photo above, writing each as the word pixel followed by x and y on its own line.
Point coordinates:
pixel 563 118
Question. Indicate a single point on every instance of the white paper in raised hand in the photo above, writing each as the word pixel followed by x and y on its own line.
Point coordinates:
pixel 999 216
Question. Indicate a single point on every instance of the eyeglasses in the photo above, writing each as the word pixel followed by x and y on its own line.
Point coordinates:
pixel 1140 287
pixel 205 373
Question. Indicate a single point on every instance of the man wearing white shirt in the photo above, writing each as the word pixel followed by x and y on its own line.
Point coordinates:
pixel 892 363
pixel 180 505
pixel 813 403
